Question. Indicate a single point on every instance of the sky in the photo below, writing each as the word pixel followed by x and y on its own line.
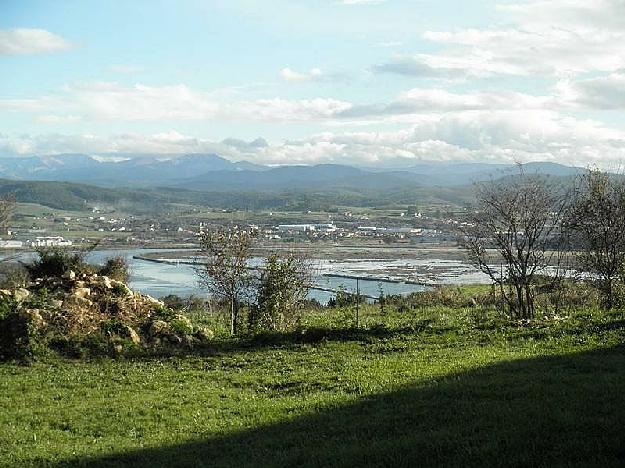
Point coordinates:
pixel 366 82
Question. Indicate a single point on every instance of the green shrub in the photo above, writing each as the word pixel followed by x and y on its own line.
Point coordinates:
pixel 18 340
pixel 181 325
pixel 15 277
pixel 116 268
pixel 55 262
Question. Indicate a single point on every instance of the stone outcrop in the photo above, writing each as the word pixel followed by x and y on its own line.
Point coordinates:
pixel 79 306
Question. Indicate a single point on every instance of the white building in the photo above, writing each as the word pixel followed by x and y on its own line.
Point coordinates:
pixel 11 244
pixel 51 241
pixel 323 227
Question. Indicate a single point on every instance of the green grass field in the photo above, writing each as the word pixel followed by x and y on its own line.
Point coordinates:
pixel 429 387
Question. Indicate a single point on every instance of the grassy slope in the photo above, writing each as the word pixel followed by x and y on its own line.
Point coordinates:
pixel 432 387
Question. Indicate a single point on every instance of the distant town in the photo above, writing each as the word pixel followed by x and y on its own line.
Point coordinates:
pixel 56 230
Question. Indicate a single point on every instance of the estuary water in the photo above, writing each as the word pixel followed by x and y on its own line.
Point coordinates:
pixel 162 279
pixel 390 276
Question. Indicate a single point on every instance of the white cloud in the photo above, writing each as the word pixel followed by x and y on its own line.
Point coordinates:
pixel 111 101
pixel 25 41
pixel 281 110
pixel 584 14
pixel 497 136
pixel 603 93
pixel 544 37
pixel 436 100
pixel 296 77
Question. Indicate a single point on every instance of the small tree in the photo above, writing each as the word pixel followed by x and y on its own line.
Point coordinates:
pixel 225 272
pixel 283 286
pixel 517 222
pixel 598 224
pixel 7 208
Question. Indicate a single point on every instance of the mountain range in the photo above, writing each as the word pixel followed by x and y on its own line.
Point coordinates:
pixel 210 172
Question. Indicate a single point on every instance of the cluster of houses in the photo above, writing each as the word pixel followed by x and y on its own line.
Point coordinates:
pixel 331 230
pixel 43 241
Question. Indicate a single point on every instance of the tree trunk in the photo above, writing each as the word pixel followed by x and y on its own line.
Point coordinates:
pixel 529 302
pixel 233 318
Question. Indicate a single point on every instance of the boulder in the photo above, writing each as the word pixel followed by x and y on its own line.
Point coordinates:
pixel 158 328
pixel 21 294
pixel 82 293
pixel 105 282
pixel 151 302
pixel 76 302
pixel 132 334
pixel 34 317
pixel 204 334
pixel 70 275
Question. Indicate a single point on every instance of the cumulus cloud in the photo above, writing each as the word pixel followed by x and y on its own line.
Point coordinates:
pixel 584 14
pixel 24 41
pixel 437 100
pixel 550 38
pixel 510 135
pixel 296 77
pixel 422 66
pixel 602 93
pixel 112 101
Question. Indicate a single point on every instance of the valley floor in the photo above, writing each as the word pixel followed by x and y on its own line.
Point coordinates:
pixel 427 387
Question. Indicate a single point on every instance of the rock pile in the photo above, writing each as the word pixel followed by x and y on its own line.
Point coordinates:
pixel 94 308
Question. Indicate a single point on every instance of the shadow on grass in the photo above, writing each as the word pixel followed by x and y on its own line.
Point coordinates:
pixel 554 411
pixel 289 340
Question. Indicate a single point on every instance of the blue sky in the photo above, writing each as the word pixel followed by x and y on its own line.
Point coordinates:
pixel 358 81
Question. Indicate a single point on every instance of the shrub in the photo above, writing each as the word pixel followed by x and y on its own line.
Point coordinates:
pixel 282 288
pixel 55 262
pixel 15 277
pixel 116 268
pixel 17 333
pixel 346 299
pixel 181 325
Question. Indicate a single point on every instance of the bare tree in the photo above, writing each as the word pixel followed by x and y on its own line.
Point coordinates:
pixel 515 234
pixel 598 223
pixel 224 271
pixel 283 286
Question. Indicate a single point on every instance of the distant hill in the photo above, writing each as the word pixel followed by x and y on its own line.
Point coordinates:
pixel 448 174
pixel 137 170
pixel 73 181
pixel 212 172
pixel 323 176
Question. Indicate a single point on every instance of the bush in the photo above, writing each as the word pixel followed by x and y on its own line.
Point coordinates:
pixel 282 289
pixel 55 262
pixel 346 299
pixel 15 277
pixel 17 334
pixel 116 268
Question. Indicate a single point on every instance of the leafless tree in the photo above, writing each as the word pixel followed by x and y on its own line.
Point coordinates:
pixel 598 223
pixel 514 235
pixel 224 270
